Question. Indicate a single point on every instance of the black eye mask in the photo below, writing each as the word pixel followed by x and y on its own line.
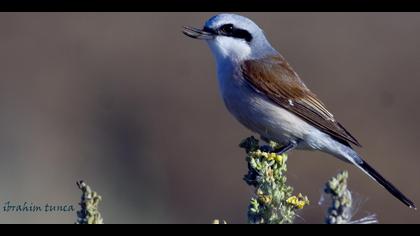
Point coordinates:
pixel 230 30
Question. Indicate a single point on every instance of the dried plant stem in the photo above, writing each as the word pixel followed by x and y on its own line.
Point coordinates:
pixel 89 213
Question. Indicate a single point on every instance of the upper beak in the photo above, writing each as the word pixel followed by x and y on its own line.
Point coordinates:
pixel 197 33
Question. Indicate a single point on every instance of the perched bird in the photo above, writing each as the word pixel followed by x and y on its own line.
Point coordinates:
pixel 266 95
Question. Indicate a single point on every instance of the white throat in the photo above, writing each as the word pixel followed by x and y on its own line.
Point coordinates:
pixel 229 49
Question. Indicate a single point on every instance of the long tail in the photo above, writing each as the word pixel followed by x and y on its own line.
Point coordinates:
pixel 359 162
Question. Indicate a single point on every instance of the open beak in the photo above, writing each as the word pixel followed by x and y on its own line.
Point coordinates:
pixel 197 33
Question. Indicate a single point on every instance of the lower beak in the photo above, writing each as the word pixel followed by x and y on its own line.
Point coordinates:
pixel 197 33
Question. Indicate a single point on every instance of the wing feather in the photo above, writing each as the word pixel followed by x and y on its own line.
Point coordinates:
pixel 276 79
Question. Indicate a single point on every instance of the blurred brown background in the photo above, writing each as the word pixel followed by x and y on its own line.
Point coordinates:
pixel 129 104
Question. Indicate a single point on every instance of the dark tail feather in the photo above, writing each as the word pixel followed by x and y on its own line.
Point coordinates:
pixel 385 183
pixel 354 158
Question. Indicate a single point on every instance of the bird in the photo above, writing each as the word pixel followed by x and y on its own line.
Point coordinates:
pixel 265 94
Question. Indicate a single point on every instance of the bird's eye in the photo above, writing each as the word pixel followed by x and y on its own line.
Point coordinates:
pixel 227 29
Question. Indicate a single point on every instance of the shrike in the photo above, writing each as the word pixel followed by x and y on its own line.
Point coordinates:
pixel 266 95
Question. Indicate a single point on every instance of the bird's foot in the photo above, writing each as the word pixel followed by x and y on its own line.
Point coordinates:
pixel 279 149
pixel 290 146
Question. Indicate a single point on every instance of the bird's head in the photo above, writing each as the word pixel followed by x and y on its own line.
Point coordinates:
pixel 232 37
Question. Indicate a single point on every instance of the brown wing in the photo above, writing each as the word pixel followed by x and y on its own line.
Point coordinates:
pixel 283 86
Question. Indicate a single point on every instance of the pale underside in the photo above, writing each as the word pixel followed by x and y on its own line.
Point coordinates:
pixel 280 108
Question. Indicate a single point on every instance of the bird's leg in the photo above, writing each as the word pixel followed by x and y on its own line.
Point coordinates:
pixel 265 139
pixel 266 148
pixel 290 146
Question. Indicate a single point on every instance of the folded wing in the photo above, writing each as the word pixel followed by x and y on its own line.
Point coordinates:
pixel 274 78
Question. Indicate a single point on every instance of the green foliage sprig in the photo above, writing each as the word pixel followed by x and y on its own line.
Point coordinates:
pixel 274 202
